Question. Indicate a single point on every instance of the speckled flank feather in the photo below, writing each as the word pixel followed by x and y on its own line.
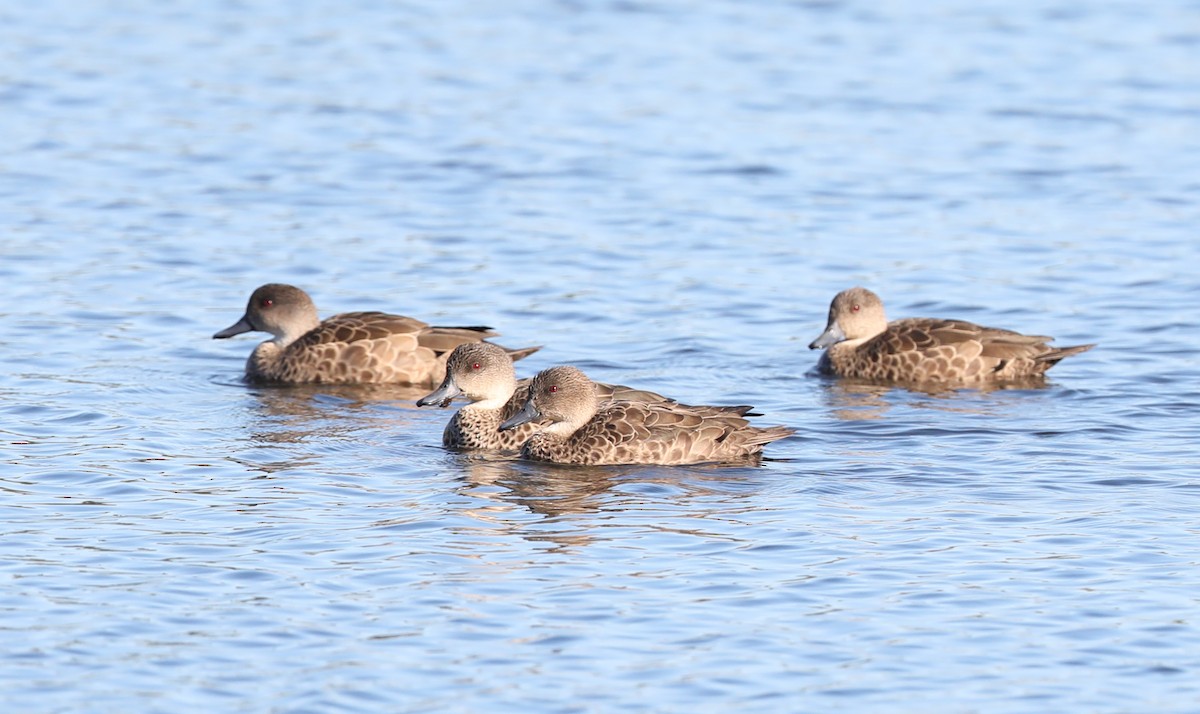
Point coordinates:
pixel 585 431
pixel 350 348
pixel 928 350
pixel 483 373
pixel 633 433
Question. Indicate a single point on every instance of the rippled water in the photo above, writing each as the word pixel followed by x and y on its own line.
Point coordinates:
pixel 666 194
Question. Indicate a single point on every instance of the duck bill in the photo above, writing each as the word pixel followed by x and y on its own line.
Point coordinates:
pixel 527 414
pixel 831 336
pixel 237 328
pixel 442 395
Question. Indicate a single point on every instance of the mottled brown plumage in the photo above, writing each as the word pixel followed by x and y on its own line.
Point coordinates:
pixel 861 343
pixel 350 348
pixel 483 373
pixel 584 430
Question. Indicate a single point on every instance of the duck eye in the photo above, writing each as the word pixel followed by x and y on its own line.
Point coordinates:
pixel 855 307
pixel 266 302
pixel 553 389
pixel 475 366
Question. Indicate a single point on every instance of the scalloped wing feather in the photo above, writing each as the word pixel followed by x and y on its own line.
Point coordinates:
pixel 930 350
pixel 658 433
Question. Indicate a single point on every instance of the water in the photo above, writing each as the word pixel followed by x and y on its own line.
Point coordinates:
pixel 666 194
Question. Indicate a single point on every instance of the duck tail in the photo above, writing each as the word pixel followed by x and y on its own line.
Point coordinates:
pixel 521 352
pixel 483 330
pixel 766 435
pixel 1057 354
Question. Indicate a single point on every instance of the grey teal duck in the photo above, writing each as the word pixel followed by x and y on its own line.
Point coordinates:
pixel 350 348
pixel 860 343
pixel 585 430
pixel 484 374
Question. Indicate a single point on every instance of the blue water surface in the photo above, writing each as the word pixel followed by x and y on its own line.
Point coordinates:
pixel 667 194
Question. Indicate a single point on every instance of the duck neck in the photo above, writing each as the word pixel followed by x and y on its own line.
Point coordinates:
pixel 495 398
pixel 286 338
pixel 851 344
pixel 573 422
pixel 300 324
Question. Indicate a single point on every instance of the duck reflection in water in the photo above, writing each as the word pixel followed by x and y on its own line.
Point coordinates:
pixel 295 414
pixel 861 400
pixel 558 504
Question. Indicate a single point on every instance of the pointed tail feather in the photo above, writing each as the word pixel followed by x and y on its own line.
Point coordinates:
pixel 468 328
pixel 720 411
pixel 522 352
pixel 1060 353
pixel 771 433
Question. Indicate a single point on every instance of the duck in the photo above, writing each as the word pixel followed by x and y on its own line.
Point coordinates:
pixel 860 343
pixel 349 348
pixel 585 430
pixel 484 373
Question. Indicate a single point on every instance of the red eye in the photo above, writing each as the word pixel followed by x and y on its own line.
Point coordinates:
pixel 553 389
pixel 475 366
pixel 855 308
pixel 266 302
